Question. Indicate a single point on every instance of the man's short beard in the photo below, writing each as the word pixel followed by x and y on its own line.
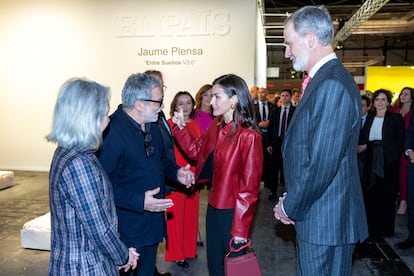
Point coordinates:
pixel 300 63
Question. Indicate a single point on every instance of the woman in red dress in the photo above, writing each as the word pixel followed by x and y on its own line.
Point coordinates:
pixel 182 218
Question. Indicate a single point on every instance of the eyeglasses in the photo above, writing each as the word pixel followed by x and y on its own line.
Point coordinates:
pixel 160 102
pixel 149 149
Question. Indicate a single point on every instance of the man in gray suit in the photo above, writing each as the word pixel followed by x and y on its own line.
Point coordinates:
pixel 323 192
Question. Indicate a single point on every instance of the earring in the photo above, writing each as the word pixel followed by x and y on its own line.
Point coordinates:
pixel 232 106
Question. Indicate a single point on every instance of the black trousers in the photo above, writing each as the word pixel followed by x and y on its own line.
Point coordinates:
pixel 218 227
pixel 275 173
pixel 380 194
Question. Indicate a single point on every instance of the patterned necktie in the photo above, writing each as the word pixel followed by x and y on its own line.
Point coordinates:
pixel 283 128
pixel 305 83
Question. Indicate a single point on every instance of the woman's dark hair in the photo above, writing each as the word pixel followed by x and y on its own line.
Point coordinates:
pixel 386 92
pixel 398 101
pixel 276 99
pixel 244 114
pixel 174 102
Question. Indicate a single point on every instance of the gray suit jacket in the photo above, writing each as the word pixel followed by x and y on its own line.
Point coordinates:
pixel 320 161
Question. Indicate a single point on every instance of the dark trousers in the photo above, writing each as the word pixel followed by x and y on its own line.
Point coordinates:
pixel 410 200
pixel 267 168
pixel 218 227
pixel 361 161
pixel 380 193
pixel 276 168
pixel 146 262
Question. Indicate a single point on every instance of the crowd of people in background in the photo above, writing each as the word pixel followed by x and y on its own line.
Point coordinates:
pixel 328 155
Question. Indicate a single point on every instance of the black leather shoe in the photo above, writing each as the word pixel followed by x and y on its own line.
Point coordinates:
pixel 200 243
pixel 408 243
pixel 157 273
pixel 183 264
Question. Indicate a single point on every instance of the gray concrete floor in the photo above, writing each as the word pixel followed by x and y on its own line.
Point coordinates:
pixel 272 241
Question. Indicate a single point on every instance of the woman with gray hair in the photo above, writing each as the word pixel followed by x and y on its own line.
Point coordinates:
pixel 84 238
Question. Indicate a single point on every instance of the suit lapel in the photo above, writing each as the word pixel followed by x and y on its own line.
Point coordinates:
pixel 310 90
pixel 278 114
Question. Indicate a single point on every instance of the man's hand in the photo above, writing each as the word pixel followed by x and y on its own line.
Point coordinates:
pixel 263 124
pixel 185 176
pixel 280 214
pixel 153 204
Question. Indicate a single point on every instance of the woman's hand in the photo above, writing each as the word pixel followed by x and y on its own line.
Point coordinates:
pixel 185 176
pixel 132 260
pixel 178 118
pixel 239 240
pixel 361 148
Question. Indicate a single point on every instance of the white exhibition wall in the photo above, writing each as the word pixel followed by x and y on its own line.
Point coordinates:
pixel 261 54
pixel 45 42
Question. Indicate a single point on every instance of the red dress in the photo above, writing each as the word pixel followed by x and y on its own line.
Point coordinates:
pixel 182 218
pixel 403 160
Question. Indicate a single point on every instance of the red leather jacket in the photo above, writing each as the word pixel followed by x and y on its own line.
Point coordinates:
pixel 237 172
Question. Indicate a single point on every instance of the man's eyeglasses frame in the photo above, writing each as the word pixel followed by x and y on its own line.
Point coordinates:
pixel 160 102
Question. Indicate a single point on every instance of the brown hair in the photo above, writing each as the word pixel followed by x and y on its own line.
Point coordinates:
pixel 203 89
pixel 174 102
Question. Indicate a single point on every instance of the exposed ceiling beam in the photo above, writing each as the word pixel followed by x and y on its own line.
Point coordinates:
pixel 362 61
pixel 369 8
pixel 372 28
pixel 380 27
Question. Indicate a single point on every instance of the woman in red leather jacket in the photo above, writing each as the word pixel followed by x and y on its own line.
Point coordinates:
pixel 232 145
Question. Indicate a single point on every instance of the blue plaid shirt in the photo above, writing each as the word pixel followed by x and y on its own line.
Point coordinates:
pixel 84 238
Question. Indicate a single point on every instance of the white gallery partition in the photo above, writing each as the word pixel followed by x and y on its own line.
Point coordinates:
pixel 44 42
